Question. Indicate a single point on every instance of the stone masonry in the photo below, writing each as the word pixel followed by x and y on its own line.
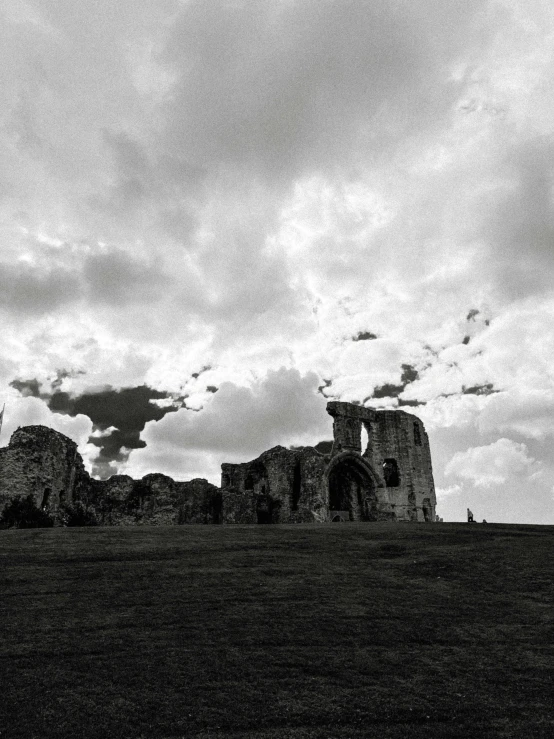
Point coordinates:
pixel 391 479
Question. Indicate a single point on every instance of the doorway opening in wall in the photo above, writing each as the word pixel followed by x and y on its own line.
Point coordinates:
pixel 427 510
pixel 267 509
pixel 215 509
pixel 351 492
pixel 339 516
pixel 45 498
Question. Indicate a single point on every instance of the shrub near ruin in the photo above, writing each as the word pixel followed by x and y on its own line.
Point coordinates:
pixel 77 514
pixel 23 513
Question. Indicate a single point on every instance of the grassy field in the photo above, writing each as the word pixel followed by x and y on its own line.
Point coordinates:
pixel 277 632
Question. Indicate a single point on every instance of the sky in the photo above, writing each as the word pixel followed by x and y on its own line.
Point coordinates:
pixel 217 215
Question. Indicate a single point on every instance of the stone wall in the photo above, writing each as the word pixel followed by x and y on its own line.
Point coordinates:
pixel 397 450
pixel 280 486
pixel 44 463
pixel 391 479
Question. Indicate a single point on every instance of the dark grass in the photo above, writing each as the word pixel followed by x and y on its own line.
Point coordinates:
pixel 277 632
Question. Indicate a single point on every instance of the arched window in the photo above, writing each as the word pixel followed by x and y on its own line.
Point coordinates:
pixel 366 429
pixel 45 497
pixel 248 482
pixel 391 473
pixel 417 434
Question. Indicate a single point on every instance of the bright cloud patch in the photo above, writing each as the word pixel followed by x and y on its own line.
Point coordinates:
pixel 239 423
pixel 494 464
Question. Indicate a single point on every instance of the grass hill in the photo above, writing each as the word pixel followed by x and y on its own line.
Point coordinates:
pixel 277 632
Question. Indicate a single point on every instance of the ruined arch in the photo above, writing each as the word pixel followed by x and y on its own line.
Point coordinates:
pixel 352 485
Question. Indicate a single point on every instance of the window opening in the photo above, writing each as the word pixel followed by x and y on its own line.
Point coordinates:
pixel 365 437
pixel 391 473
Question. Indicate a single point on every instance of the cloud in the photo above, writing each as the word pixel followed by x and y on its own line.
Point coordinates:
pixel 493 464
pixel 30 290
pixel 117 278
pixel 30 411
pixel 238 424
pixel 447 492
pixel 526 411
pixel 117 416
pixel 299 87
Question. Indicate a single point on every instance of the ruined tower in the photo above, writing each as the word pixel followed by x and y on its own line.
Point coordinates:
pixel 391 479
pixel 41 462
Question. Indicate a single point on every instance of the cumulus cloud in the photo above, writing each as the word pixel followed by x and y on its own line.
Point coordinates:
pixel 239 423
pixel 525 411
pixel 493 464
pixel 447 492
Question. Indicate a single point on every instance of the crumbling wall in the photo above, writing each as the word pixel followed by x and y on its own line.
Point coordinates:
pixel 398 451
pixel 155 500
pixel 395 436
pixel 280 486
pixel 198 501
pixel 44 463
pixel 391 479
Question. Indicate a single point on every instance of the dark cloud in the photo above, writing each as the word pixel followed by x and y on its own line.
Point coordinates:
pixel 410 403
pixel 389 390
pixel 121 413
pixel 321 388
pixel 364 336
pixel 128 410
pixel 486 389
pixel 33 387
pixel 196 375
pixel 116 277
pixel 63 374
pixel 287 88
pixel 27 388
pixel 32 290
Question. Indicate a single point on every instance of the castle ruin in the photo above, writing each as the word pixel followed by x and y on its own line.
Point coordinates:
pixel 390 480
